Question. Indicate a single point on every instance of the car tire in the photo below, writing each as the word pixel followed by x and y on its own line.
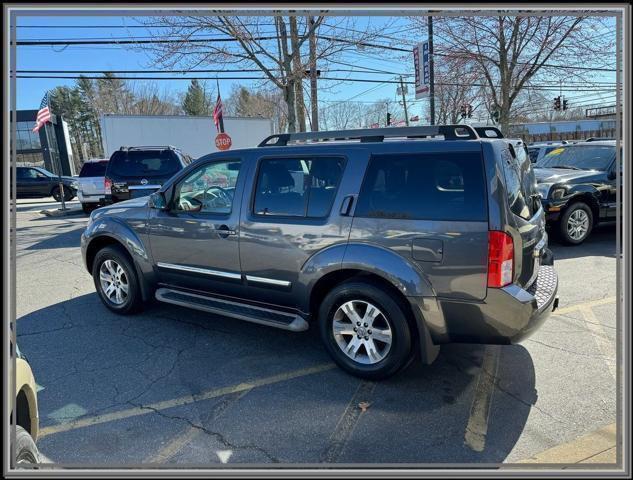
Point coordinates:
pixel 119 276
pixel 368 357
pixel 68 194
pixel 56 194
pixel 88 207
pixel 25 449
pixel 576 224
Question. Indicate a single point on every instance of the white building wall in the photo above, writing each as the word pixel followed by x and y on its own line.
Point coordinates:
pixel 193 135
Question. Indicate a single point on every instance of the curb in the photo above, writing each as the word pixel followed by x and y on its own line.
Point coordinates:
pixel 599 446
pixel 58 212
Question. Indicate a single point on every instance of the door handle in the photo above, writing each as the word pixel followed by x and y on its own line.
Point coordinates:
pixel 224 231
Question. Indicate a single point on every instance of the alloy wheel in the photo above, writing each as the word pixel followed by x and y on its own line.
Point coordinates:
pixel 578 224
pixel 114 282
pixel 362 331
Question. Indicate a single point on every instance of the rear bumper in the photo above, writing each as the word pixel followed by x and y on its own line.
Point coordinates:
pixel 93 198
pixel 507 315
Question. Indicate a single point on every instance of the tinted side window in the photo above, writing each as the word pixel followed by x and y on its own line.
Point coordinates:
pixel 297 187
pixel 514 189
pixel 533 152
pixel 93 169
pixel 436 186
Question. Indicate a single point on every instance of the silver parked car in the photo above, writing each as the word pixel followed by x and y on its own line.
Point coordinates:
pixel 91 191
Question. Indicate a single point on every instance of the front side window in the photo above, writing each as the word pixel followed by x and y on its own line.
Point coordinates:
pixel 435 186
pixel 208 189
pixel 297 187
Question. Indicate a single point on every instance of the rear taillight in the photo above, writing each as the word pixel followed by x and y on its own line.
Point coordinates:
pixel 500 259
pixel 107 184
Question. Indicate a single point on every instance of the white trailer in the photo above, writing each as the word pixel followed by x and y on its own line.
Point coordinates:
pixel 195 136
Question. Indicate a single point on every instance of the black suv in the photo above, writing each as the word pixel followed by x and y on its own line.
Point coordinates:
pixel 138 171
pixel 578 184
pixel 38 182
pixel 393 241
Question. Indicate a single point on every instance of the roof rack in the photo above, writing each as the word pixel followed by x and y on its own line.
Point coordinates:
pixel 150 147
pixel 489 132
pixel 449 132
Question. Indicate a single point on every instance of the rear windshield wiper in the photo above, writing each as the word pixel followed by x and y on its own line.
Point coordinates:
pixel 570 167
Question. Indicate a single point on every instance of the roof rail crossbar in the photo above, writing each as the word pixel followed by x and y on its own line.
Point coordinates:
pixel 449 132
pixel 149 147
pixel 489 132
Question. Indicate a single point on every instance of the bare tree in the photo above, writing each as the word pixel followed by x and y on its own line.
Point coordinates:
pixel 349 114
pixel 149 99
pixel 266 103
pixel 511 53
pixel 276 46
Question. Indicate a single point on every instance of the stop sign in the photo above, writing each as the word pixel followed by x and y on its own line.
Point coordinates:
pixel 223 141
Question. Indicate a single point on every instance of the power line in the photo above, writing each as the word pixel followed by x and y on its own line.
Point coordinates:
pixel 253 70
pixel 360 80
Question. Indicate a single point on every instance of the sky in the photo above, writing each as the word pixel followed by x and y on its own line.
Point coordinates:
pixel 114 57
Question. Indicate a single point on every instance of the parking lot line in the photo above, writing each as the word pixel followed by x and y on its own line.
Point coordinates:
pixel 477 427
pixel 589 304
pixel 192 431
pixel 186 400
pixel 595 447
pixel 606 346
pixel 347 422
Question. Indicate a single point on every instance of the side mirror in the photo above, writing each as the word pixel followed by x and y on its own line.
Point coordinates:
pixel 157 201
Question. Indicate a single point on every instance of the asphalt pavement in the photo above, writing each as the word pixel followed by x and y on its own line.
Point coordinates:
pixel 177 386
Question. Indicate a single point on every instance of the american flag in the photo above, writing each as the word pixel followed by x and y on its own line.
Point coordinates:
pixel 43 115
pixel 217 115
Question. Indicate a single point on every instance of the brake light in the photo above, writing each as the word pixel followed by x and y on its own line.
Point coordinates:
pixel 500 259
pixel 107 184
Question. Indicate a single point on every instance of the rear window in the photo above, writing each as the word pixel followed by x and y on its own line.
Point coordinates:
pixel 154 163
pixel 93 169
pixel 435 186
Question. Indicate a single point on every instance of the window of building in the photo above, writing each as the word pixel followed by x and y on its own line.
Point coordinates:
pixel 297 187
pixel 434 186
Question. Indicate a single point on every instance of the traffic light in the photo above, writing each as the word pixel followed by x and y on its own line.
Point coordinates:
pixel 496 115
pixel 565 104
pixel 388 119
pixel 462 111
pixel 557 103
pixel 469 110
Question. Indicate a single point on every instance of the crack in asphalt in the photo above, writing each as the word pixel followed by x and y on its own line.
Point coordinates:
pixel 219 436
pixel 574 352
pixel 496 381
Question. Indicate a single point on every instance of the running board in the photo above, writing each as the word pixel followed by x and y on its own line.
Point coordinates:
pixel 241 311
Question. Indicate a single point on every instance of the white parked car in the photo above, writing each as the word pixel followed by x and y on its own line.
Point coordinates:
pixel 91 191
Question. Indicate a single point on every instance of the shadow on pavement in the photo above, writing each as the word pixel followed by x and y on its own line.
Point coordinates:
pixel 601 243
pixel 66 238
pixel 90 361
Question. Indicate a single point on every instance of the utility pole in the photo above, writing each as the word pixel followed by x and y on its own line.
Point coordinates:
pixel 431 75
pixel 313 77
pixel 404 101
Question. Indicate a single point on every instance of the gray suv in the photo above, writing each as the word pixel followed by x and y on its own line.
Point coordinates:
pixel 393 241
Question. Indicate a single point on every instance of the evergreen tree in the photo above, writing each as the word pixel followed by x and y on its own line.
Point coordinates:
pixel 196 100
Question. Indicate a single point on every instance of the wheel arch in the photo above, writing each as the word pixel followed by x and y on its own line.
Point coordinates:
pixel 392 273
pixel 590 198
pixel 99 242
